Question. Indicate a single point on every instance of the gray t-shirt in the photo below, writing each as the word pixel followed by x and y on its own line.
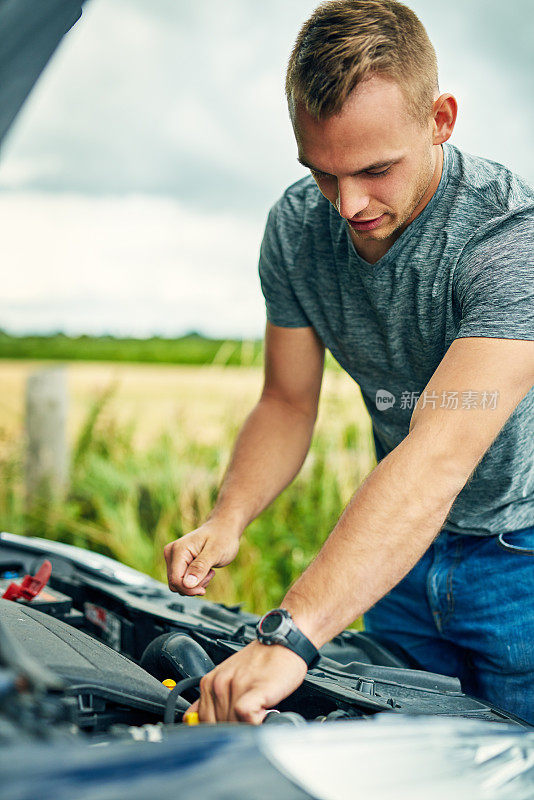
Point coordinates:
pixel 463 267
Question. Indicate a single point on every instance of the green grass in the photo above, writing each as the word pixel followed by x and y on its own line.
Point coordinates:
pixel 128 503
pixel 191 349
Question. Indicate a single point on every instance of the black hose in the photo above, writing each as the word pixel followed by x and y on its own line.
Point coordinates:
pixel 174 696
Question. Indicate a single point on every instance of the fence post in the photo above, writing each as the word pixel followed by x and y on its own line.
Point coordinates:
pixel 46 435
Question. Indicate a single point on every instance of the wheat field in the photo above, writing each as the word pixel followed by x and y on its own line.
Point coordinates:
pixel 149 445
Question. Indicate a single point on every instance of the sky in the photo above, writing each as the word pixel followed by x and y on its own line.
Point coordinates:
pixel 135 184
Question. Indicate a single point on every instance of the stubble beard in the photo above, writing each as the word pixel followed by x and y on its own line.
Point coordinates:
pixel 400 220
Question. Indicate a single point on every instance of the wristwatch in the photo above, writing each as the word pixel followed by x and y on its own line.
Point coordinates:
pixel 277 627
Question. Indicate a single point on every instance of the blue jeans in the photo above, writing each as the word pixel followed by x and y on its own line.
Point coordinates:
pixel 467 609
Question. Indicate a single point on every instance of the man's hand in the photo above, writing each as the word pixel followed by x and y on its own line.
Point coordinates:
pixel 245 686
pixel 191 559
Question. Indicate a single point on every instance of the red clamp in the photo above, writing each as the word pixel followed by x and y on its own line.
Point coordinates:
pixel 31 584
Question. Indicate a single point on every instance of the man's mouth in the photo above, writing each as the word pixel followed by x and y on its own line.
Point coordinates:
pixel 366 224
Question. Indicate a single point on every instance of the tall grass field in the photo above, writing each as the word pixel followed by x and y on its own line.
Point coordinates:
pixel 148 448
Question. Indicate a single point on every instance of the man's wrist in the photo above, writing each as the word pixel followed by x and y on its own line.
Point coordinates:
pixel 306 619
pixel 229 522
pixel 279 651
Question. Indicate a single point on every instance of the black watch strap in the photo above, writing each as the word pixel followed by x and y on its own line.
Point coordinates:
pixel 288 635
pixel 301 645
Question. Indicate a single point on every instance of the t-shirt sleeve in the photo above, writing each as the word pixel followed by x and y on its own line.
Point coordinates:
pixel 494 282
pixel 281 303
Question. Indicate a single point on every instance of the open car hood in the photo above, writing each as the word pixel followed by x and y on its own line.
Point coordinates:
pixel 30 32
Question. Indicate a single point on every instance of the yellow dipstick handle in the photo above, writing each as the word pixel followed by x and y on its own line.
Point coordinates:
pixel 169 683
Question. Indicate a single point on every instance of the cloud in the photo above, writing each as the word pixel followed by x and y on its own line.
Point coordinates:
pixel 162 98
pixel 138 177
pixel 181 98
pixel 485 58
pixel 132 264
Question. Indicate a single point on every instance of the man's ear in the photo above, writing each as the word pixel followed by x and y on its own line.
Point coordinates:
pixel 444 117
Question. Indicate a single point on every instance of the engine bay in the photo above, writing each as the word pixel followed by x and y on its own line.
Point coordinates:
pixel 102 639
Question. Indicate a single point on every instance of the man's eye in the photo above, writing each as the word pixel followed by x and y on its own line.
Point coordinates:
pixel 376 174
pixel 321 175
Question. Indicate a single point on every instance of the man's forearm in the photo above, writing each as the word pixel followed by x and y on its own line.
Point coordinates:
pixel 387 526
pixel 268 453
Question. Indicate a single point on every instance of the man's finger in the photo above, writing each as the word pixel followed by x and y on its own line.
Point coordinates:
pixel 200 590
pixel 178 562
pixel 251 707
pixel 204 582
pixel 177 559
pixel 197 571
pixel 206 710
pixel 221 692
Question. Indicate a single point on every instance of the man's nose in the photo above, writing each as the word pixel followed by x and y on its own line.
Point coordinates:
pixel 351 198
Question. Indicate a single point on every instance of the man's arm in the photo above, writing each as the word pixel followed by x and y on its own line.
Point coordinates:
pixel 401 507
pixel 269 452
pixel 275 439
pixel 387 526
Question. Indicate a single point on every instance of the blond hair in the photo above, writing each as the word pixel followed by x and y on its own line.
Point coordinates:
pixel 344 42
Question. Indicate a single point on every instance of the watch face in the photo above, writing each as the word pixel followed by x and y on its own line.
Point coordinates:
pixel 271 622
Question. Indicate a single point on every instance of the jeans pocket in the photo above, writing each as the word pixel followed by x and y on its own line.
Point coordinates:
pixel 520 542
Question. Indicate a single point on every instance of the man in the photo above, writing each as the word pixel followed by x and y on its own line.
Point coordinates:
pixel 412 263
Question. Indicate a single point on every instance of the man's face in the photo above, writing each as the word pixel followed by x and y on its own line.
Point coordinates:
pixel 372 161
